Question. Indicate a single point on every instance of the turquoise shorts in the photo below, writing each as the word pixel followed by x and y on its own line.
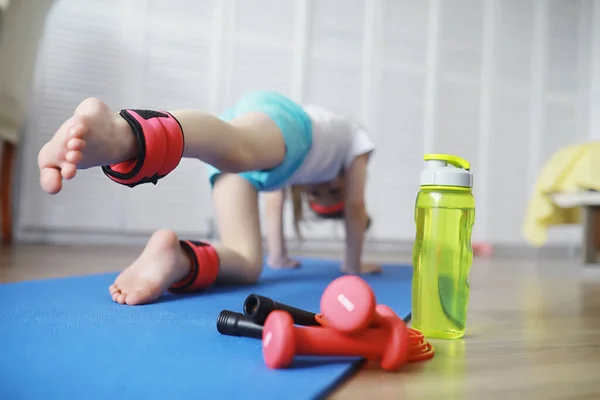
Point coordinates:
pixel 295 126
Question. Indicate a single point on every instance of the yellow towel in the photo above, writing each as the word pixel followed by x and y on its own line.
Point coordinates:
pixel 571 169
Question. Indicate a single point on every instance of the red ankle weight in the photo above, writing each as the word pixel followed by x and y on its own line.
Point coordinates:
pixel 205 267
pixel 160 144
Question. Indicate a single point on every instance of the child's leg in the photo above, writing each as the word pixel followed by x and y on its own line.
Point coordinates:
pixel 269 139
pixel 96 136
pixel 235 202
pixel 164 261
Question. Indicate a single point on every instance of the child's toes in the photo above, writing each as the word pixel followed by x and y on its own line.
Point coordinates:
pixel 114 289
pixel 114 293
pixel 50 180
pixel 76 144
pixel 73 156
pixel 77 131
pixel 68 170
pixel 121 298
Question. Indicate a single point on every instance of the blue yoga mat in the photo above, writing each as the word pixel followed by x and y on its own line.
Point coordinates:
pixel 66 338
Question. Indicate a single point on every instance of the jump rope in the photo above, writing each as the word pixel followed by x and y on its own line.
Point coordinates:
pixel 350 323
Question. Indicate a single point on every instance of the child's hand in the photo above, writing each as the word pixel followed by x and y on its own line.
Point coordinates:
pixel 365 269
pixel 282 262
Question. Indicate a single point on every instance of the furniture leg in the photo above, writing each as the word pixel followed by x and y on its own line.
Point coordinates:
pixel 8 155
pixel 590 251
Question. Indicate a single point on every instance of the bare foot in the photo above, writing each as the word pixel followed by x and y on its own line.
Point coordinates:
pixel 283 263
pixel 161 264
pixel 94 136
pixel 365 269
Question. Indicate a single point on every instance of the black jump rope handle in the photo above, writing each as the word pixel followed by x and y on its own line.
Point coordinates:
pixel 235 324
pixel 258 308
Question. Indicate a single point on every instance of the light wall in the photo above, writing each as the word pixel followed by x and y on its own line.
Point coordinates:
pixel 594 92
pixel 503 83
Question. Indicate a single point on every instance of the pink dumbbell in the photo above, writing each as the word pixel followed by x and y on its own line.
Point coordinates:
pixel 348 305
pixel 282 341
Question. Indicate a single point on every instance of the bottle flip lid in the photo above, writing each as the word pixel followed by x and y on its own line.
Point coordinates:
pixel 446 170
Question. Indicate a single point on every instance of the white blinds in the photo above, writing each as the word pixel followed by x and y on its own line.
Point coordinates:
pixel 494 81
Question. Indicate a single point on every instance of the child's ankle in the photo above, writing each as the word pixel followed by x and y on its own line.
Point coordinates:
pixel 126 146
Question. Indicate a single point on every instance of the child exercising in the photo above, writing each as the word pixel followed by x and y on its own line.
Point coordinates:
pixel 265 143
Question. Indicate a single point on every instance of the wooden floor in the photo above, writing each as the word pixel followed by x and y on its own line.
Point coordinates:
pixel 533 328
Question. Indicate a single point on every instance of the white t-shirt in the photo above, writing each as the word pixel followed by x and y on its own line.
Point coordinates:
pixel 336 141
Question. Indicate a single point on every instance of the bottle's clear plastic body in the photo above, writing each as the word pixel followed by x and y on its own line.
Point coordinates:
pixel 442 259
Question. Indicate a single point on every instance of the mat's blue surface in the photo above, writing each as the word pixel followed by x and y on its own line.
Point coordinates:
pixel 66 339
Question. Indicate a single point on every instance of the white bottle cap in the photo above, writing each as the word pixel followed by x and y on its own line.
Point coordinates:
pixel 446 170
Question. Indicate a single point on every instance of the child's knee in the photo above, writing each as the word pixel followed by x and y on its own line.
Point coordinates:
pixel 253 270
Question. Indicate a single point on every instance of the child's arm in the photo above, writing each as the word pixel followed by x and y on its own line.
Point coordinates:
pixel 355 215
pixel 278 256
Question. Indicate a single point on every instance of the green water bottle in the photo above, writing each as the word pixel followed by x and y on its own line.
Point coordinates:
pixel 442 253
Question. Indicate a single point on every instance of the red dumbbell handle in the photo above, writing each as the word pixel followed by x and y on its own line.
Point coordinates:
pixel 329 342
